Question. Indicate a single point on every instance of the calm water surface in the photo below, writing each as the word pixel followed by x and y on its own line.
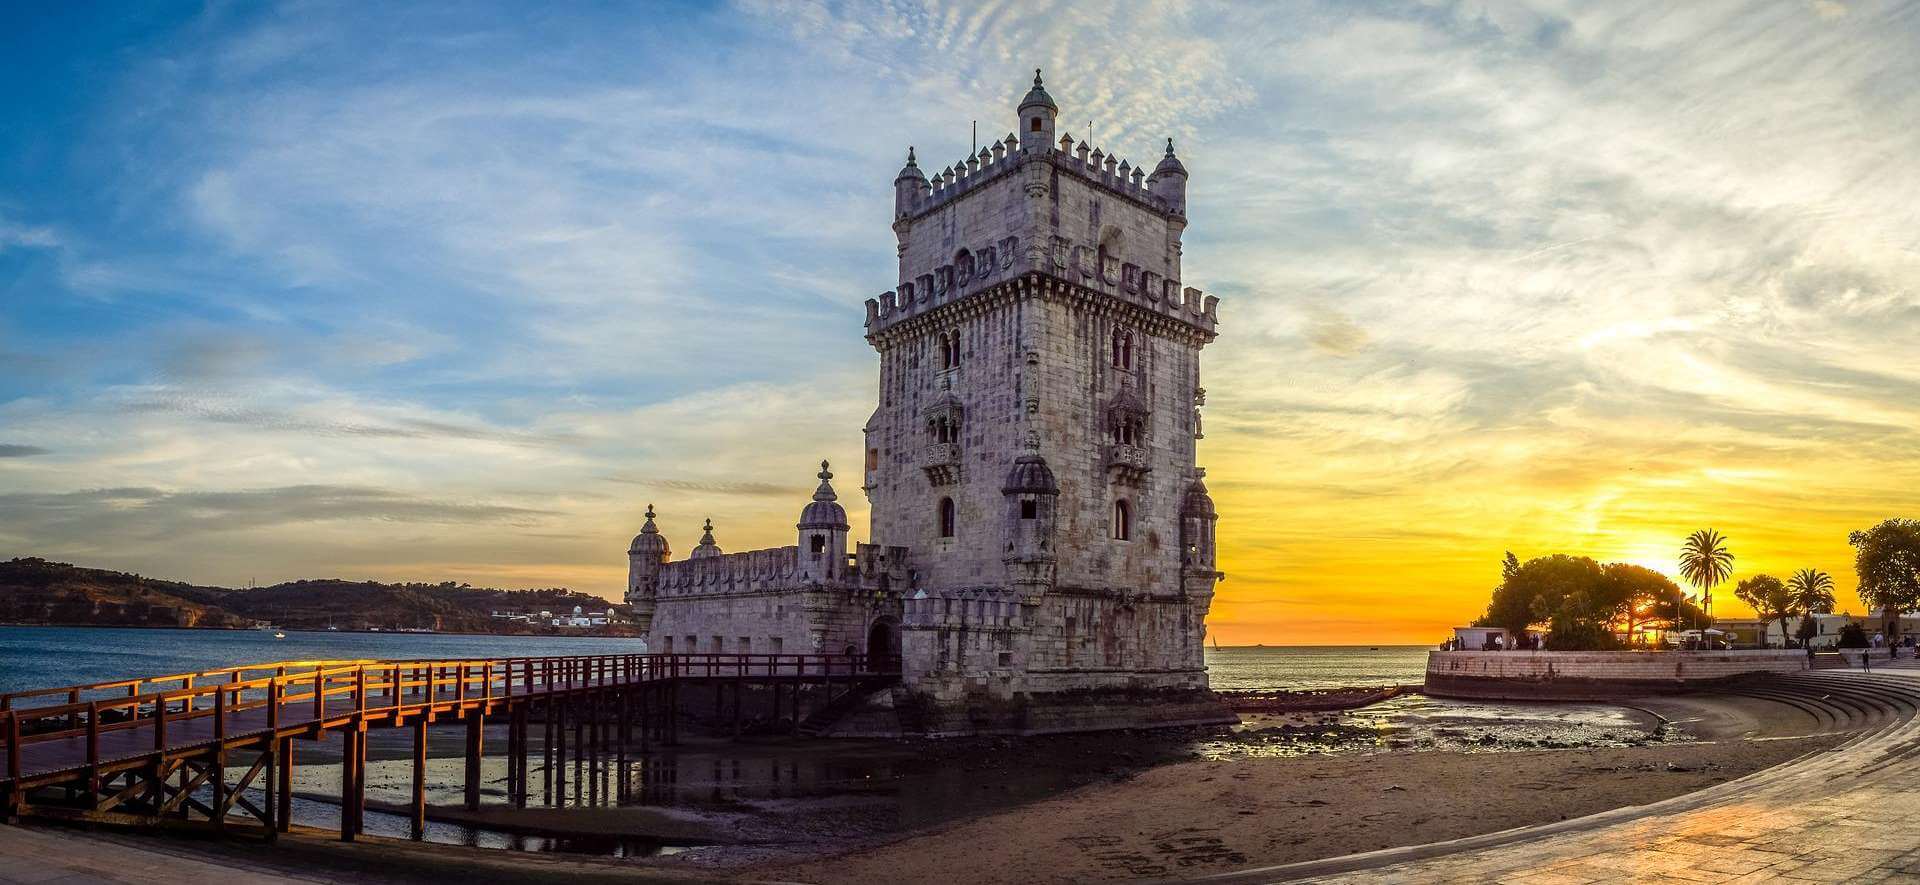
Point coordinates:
pixel 49 657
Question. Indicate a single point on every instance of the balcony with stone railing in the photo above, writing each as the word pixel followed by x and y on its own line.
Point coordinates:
pixel 941 461
pixel 1129 463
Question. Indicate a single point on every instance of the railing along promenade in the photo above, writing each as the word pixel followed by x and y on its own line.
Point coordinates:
pixel 155 750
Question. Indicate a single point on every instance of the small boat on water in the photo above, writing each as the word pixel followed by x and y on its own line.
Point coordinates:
pixel 279 635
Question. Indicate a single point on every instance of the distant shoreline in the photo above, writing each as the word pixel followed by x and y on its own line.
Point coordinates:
pixel 4 624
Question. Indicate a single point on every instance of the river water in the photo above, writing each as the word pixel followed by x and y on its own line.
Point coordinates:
pixel 842 789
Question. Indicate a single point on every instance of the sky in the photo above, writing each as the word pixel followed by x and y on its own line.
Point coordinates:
pixel 451 292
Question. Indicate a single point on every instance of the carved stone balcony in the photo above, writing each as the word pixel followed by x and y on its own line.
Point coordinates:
pixel 1129 463
pixel 941 461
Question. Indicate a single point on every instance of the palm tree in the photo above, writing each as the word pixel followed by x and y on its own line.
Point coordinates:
pixel 1812 592
pixel 1705 561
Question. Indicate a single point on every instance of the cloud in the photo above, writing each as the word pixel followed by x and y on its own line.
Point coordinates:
pixel 14 450
pixel 147 514
pixel 1332 332
pixel 1492 275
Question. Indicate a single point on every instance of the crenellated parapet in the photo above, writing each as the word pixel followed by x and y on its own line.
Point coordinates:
pixel 972 269
pixel 1148 296
pixel 749 572
pixel 946 185
pixel 919 196
pixel 972 608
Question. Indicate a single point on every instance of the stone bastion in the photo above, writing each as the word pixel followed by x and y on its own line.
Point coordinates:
pixel 1585 675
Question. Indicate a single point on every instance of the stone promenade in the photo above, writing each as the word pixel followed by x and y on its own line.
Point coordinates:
pixel 1850 814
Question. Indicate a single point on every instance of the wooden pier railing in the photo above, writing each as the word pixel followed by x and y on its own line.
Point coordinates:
pixel 113 751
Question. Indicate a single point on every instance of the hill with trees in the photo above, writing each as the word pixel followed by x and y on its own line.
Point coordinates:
pixel 36 591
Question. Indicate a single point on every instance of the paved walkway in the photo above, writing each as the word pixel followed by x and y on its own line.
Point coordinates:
pixel 1850 814
pixel 29 855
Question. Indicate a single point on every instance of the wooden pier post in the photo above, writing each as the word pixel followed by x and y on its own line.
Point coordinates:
pixel 546 748
pixel 519 761
pixel 419 807
pixel 285 794
pixel 558 715
pixel 513 748
pixel 349 763
pixel 269 782
pixel 476 731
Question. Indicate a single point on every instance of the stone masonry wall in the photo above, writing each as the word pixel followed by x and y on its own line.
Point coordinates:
pixel 822 621
pixel 1547 675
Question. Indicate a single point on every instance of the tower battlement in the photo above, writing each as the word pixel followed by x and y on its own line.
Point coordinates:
pixel 1033 204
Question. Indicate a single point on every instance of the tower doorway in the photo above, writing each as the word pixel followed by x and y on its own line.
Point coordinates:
pixel 883 645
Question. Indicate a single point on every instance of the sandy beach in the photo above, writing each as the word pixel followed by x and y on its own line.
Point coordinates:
pixel 1193 818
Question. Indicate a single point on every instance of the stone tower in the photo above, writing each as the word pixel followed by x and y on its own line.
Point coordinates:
pixel 1034 442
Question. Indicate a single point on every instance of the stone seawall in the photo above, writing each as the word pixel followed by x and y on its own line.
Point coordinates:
pixel 1581 675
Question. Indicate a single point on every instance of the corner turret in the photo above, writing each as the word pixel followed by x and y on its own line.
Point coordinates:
pixel 707 548
pixel 1197 518
pixel 1032 495
pixel 645 555
pixel 1037 113
pixel 908 187
pixel 1169 182
pixel 823 533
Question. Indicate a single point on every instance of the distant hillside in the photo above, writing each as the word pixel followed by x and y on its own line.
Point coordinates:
pixel 35 591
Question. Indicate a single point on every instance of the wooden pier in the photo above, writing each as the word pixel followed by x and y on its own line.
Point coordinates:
pixel 156 751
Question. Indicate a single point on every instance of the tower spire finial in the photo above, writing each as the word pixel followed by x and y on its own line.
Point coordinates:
pixel 1036 77
pixel 825 491
pixel 910 160
pixel 1169 147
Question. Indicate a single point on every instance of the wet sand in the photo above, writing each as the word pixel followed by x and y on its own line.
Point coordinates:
pixel 1194 818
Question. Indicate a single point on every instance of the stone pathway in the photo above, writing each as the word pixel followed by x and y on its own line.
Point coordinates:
pixel 29 855
pixel 1850 814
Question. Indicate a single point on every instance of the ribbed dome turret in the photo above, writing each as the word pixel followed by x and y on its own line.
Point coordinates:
pixel 1030 474
pixel 1197 502
pixel 1169 163
pixel 707 547
pixel 650 543
pixel 1038 95
pixel 824 512
pixel 911 170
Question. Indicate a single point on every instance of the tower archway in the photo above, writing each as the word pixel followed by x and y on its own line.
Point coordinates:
pixel 883 644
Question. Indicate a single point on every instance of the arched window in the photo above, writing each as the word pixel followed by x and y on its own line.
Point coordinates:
pixel 1035 126
pixel 1122 520
pixel 946 517
pixel 946 351
pixel 1122 349
pixel 819 544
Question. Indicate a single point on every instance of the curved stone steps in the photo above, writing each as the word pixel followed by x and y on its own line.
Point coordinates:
pixel 1873 699
pixel 1837 703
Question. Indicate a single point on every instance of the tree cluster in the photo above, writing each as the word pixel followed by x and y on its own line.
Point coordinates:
pixel 1583 603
